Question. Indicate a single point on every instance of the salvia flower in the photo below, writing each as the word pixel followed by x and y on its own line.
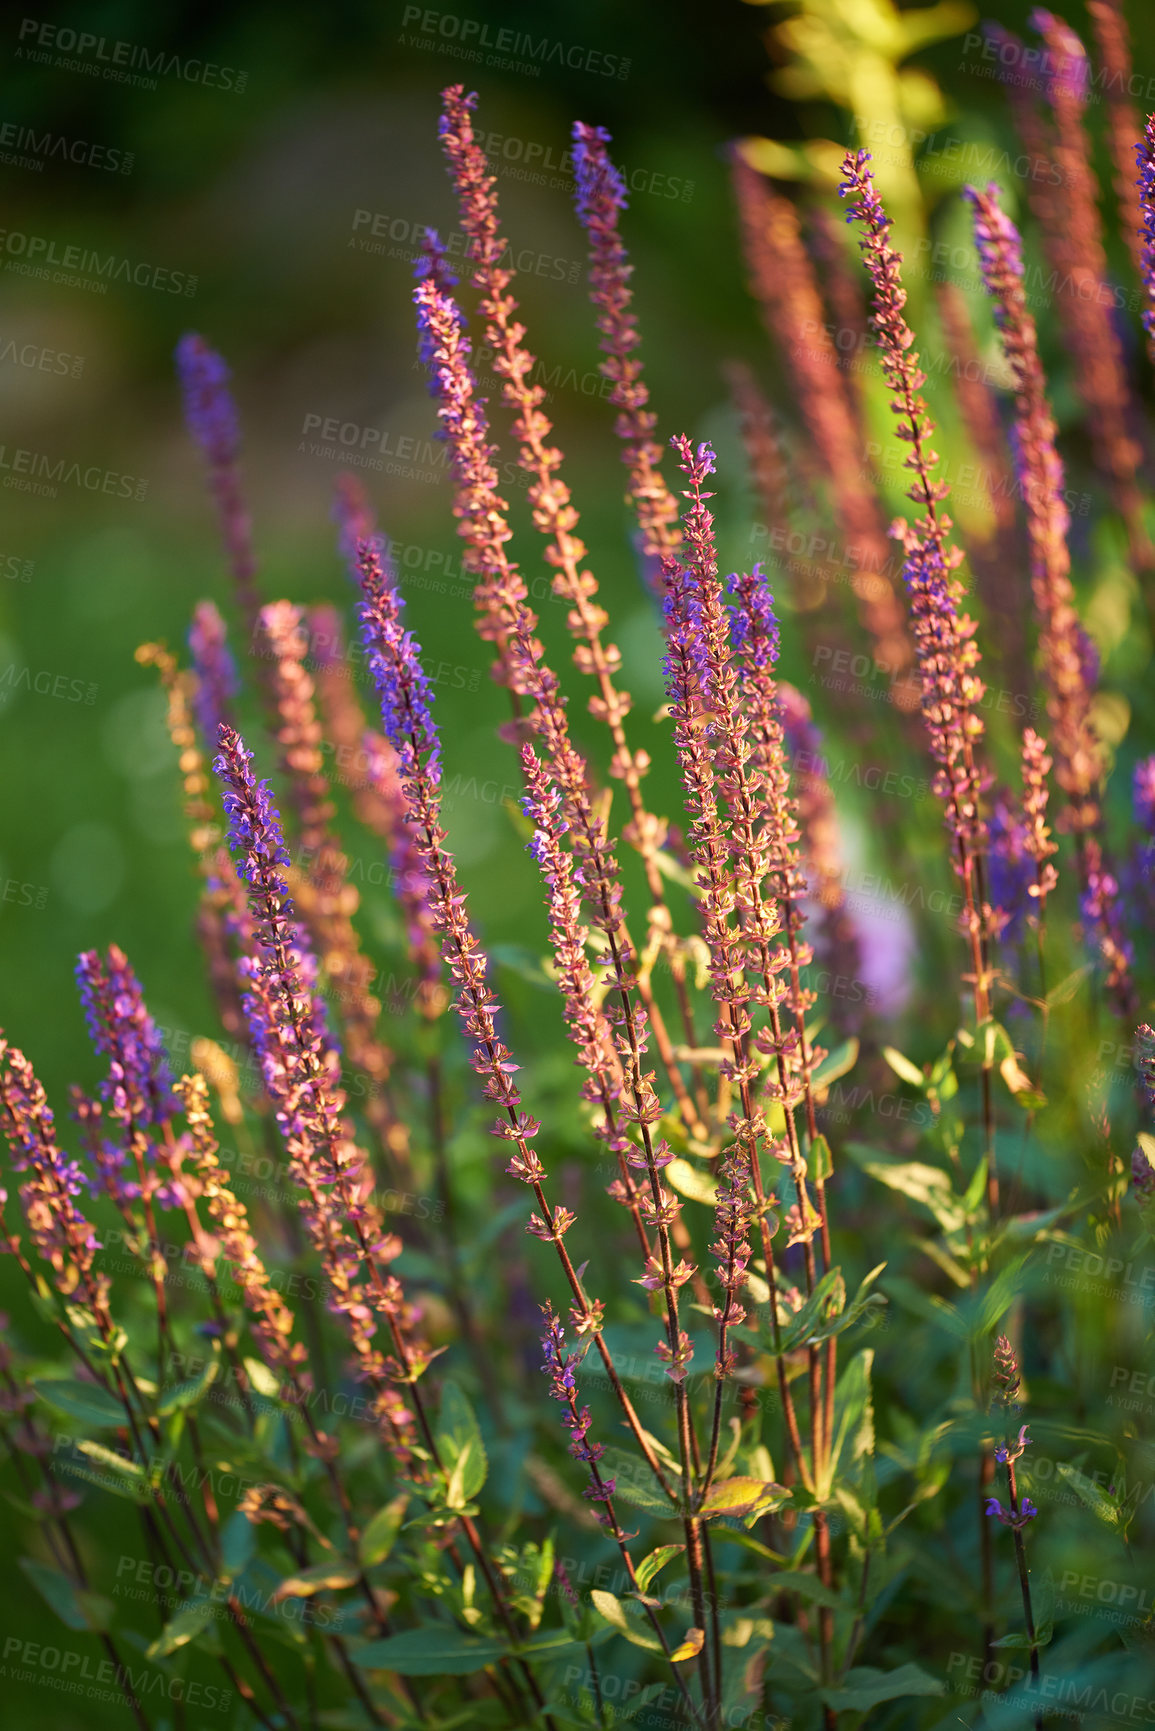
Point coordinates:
pixel 1016 1519
pixel 216 672
pixel 599 199
pixel 209 409
pixel 1073 235
pixel 212 420
pixel 52 1183
pixel 298 1070
pixel 1040 474
pixel 1011 870
pixel 1123 132
pixel 479 509
pixel 139 1083
pixel 353 516
pixel 944 637
pixel 945 648
pixel 272 1321
pixel 1006 1372
pixel 1007 1452
pixel 837 938
pixel 1145 158
pixel 784 282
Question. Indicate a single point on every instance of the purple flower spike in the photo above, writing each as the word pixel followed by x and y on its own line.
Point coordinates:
pixel 255 835
pixel 601 188
pixel 60 1232
pixel 139 1084
pixel 1145 157
pixel 216 671
pixel 394 657
pixel 1143 793
pixel 209 409
pixel 753 624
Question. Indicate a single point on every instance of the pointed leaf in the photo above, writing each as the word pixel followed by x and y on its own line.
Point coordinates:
pixel 1093 1495
pixel 904 1068
pixel 431 1652
pixel 690 1647
pixel 741 1496
pixel 336 1573
pixel 189 1622
pixel 649 1566
pixel 615 1614
pixel 86 1402
pixel 378 1538
pixel 189 1394
pixel 835 1064
pixel 76 1608
pixel 864 1687
pixel 459 1442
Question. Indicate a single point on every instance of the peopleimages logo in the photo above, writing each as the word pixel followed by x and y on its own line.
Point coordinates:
pixel 120 62
pixel 515 50
pixel 80 267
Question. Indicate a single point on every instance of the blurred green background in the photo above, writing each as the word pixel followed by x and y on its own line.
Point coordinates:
pixel 255 193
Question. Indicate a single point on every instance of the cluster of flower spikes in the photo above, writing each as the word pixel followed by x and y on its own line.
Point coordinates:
pixel 599 198
pixel 730 740
pixel 52 1182
pixel 272 1321
pixel 944 638
pixel 301 1072
pixel 585 1018
pixel 137 1092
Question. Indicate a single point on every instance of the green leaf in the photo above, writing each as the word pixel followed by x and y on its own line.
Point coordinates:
pixel 690 1181
pixel 904 1068
pixel 75 1607
pixel 636 1484
pixel 378 1538
pixel 189 1394
pixel 825 1302
pixel 835 1064
pixel 238 1542
pixel 189 1622
pixel 432 1652
pixel 86 1402
pixel 1021 1641
pixel 130 1479
pixel 807 1587
pixel 546 1641
pixel 1093 1495
pixel 854 1420
pixel 863 1300
pixel 335 1573
pixel 1067 988
pixel 742 1496
pixel 649 1566
pixel 923 1184
pixel 460 1445
pixel 864 1687
pixel 615 1614
pixel 262 1378
pixel 819 1159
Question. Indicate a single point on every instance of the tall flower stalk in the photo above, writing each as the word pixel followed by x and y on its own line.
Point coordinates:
pixel 326 897
pixel 1063 649
pixel 554 513
pixel 211 416
pixel 599 199
pixel 944 637
pixel 1068 215
pixel 783 282
pixel 500 598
